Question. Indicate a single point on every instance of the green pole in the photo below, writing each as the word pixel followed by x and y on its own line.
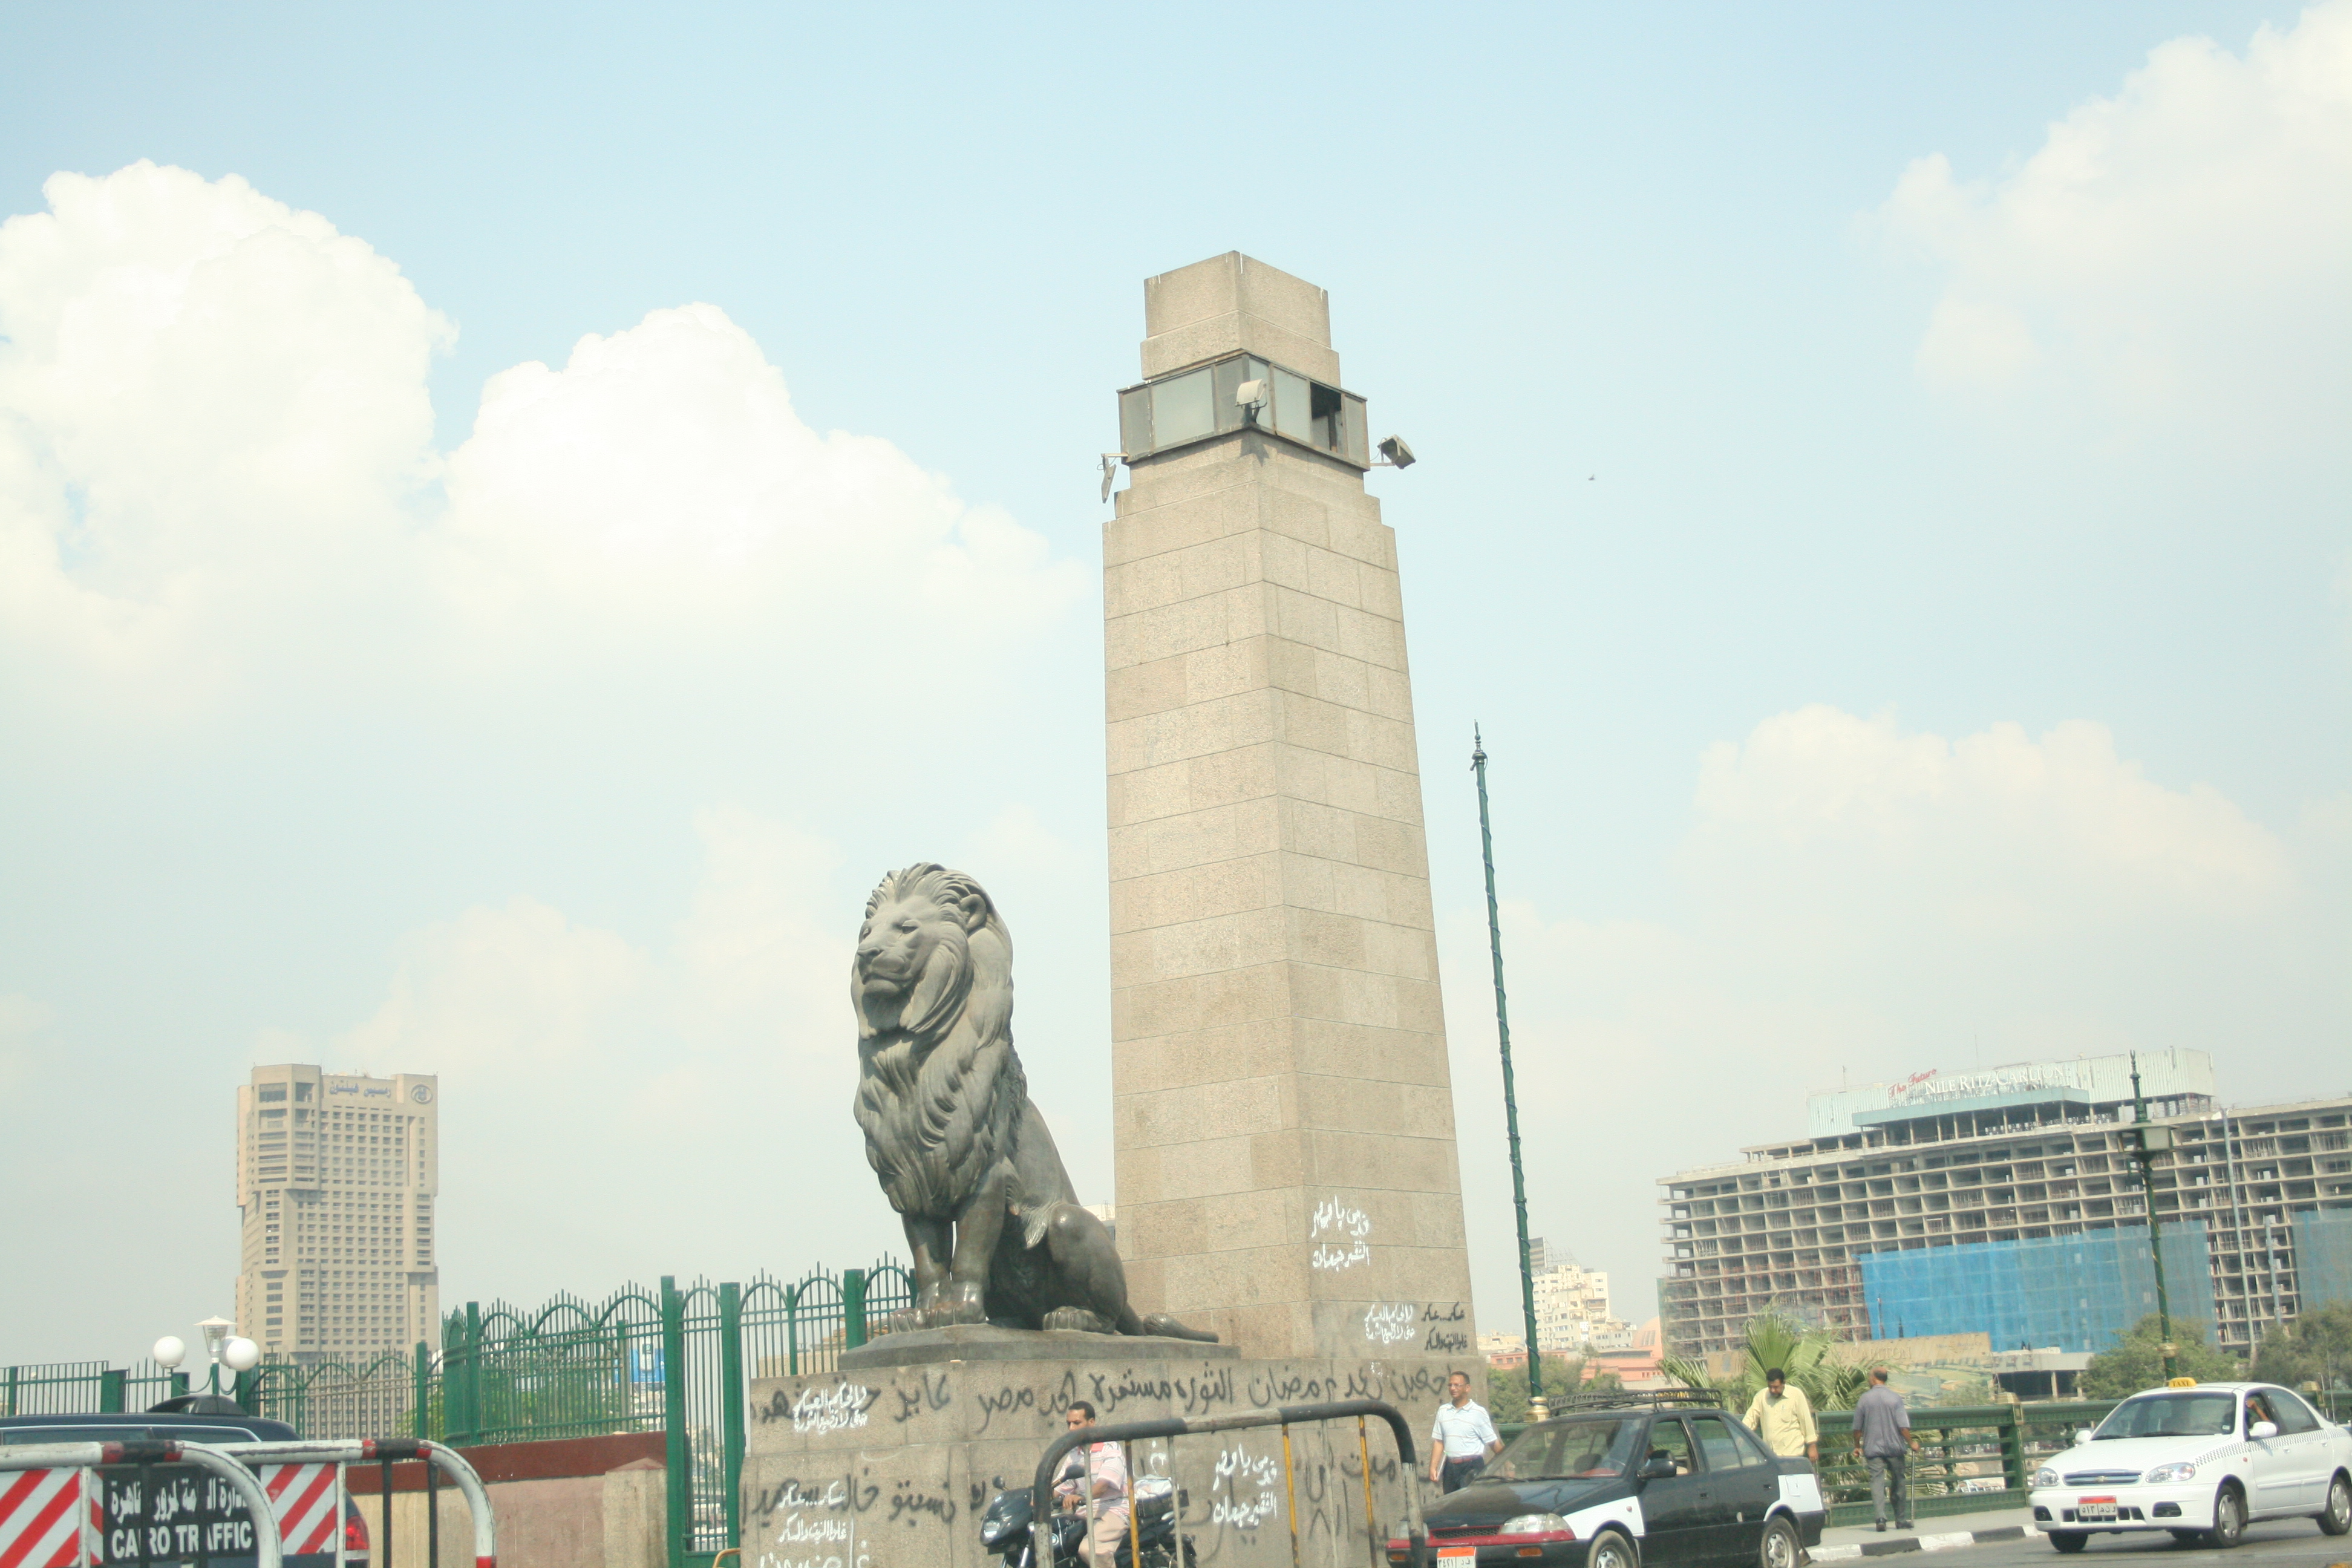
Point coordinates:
pixel 2155 1227
pixel 853 1307
pixel 424 1370
pixel 1536 1408
pixel 731 1403
pixel 674 1449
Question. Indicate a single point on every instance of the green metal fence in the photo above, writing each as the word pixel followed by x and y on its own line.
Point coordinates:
pixel 1971 1456
pixel 677 1360
pixel 71 1388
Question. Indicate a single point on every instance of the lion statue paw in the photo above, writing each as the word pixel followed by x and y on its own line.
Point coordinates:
pixel 959 1301
pixel 1077 1318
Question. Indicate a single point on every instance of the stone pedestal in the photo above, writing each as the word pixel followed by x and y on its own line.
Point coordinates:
pixel 891 1463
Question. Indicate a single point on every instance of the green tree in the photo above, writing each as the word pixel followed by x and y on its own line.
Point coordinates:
pixel 1506 1386
pixel 2315 1348
pixel 2136 1361
pixel 1775 1338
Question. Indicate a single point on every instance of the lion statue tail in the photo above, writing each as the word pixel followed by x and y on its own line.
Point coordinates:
pixel 1162 1324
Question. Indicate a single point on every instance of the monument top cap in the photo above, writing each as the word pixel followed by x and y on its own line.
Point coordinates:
pixel 1230 304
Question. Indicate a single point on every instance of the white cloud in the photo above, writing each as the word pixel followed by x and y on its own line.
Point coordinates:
pixel 621 1100
pixel 216 477
pixel 1854 898
pixel 278 675
pixel 2170 256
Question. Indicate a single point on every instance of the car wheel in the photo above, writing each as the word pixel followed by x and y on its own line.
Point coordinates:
pixel 2337 1518
pixel 2228 1520
pixel 2069 1540
pixel 1779 1548
pixel 1611 1549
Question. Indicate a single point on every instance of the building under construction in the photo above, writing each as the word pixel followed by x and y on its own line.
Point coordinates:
pixel 2004 1201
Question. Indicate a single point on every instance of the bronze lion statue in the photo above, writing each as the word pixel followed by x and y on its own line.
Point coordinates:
pixel 997 1233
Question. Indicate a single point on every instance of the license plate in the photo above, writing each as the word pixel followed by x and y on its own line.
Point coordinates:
pixel 1457 1554
pixel 2087 1510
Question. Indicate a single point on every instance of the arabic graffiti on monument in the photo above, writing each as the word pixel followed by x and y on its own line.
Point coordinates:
pixel 1390 1322
pixel 1348 1232
pixel 1444 1337
pixel 1238 1475
pixel 819 1524
pixel 834 1409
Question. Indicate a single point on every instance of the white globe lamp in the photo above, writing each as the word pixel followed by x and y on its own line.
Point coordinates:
pixel 170 1352
pixel 241 1355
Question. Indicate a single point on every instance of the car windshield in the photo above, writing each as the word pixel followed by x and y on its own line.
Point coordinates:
pixel 2209 1414
pixel 1588 1447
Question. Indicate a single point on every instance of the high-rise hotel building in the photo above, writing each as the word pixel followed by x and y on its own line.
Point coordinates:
pixel 337 1175
pixel 2005 1201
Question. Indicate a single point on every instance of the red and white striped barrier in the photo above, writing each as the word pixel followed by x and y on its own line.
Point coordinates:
pixel 45 1520
pixel 306 1503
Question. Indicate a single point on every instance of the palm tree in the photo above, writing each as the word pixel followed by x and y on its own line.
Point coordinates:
pixel 1775 1338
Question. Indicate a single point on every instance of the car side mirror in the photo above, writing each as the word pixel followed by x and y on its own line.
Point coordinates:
pixel 2263 1429
pixel 2083 1435
pixel 1657 1469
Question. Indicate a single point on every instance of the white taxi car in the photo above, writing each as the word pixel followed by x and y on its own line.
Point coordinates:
pixel 2200 1461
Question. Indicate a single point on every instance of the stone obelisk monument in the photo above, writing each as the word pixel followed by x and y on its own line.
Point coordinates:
pixel 1284 1120
pixel 1284 1111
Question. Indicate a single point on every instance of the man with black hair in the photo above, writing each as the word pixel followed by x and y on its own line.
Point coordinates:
pixel 1094 1477
pixel 1783 1418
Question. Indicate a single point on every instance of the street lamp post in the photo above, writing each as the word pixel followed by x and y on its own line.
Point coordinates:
pixel 2146 1143
pixel 220 1346
pixel 1537 1409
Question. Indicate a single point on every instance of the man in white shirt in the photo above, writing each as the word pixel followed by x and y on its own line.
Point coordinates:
pixel 1105 1501
pixel 1463 1438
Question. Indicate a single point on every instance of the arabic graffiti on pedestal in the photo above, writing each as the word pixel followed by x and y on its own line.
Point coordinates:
pixel 1390 1322
pixel 1237 1471
pixel 1350 1230
pixel 831 1409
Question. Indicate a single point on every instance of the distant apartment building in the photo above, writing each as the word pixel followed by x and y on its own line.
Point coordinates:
pixel 337 1175
pixel 1572 1306
pixel 2001 1202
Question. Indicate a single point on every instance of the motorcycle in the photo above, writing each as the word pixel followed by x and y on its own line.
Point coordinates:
pixel 1007 1531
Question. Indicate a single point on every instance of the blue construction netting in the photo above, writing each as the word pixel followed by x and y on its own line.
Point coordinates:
pixel 2076 1292
pixel 2323 1257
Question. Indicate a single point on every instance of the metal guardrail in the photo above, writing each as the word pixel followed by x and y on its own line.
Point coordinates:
pixel 150 1451
pixel 439 1459
pixel 1127 1434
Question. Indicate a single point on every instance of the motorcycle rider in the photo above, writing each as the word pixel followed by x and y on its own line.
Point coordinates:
pixel 1094 1477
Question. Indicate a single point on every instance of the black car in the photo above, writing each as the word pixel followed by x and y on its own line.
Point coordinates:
pixel 1662 1481
pixel 183 1424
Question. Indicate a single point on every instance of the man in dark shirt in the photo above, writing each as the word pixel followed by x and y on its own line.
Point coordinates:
pixel 1881 1428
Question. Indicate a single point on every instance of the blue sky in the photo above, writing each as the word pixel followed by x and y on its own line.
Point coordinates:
pixel 1883 494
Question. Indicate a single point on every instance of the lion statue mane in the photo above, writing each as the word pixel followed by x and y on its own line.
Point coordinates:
pixel 996 1231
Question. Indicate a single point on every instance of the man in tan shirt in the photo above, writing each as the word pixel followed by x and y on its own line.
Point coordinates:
pixel 1783 1418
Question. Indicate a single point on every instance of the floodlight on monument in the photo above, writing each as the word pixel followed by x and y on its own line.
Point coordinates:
pixel 241 1354
pixel 1398 454
pixel 170 1352
pixel 1249 397
pixel 1110 462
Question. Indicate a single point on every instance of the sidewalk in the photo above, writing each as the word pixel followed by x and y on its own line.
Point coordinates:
pixel 1932 1536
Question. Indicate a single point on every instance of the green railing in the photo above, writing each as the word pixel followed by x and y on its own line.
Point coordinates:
pixel 71 1388
pixel 1971 1456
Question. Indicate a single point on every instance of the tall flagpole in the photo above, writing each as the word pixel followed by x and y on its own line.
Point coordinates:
pixel 1537 1410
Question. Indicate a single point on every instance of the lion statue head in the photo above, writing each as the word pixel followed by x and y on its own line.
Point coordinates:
pixel 927 932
